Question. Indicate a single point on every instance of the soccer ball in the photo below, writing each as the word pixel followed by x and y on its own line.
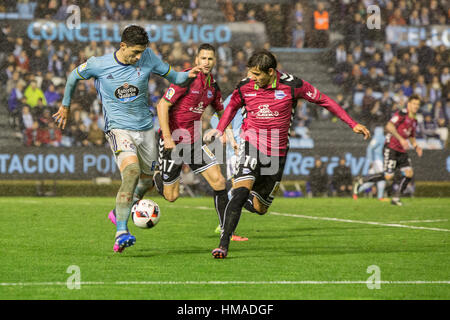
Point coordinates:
pixel 145 213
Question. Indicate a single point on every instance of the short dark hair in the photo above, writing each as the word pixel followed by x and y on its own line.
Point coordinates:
pixel 414 96
pixel 135 36
pixel 206 46
pixel 263 60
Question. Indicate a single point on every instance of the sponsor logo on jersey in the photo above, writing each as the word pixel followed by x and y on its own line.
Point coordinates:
pixel 312 95
pixel 198 109
pixel 82 67
pixel 279 94
pixel 169 94
pixel 209 94
pixel 126 92
pixel 264 112
pixel 250 94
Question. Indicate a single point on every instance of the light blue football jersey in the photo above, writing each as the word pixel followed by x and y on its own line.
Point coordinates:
pixel 123 88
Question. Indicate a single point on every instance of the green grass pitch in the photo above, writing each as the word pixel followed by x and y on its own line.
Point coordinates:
pixel 301 249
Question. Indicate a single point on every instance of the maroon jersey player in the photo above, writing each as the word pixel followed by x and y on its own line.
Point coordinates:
pixel 401 128
pixel 180 140
pixel 268 98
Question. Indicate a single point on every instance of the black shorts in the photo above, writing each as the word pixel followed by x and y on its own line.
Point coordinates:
pixel 265 171
pixel 196 155
pixel 394 159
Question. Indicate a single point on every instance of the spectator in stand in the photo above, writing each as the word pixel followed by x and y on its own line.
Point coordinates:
pixel 341 54
pixel 425 55
pixel 54 135
pixel 33 93
pixel 435 91
pixel 38 63
pixel 96 136
pixel 23 62
pixel 32 136
pixel 15 101
pixel 372 79
pixel 80 136
pixel 428 127
pixel 414 19
pixel 321 22
pixel 341 179
pixel 52 96
pixel 241 61
pixel 388 54
pixel 227 8
pixel 298 36
pixel 225 55
pixel 26 118
pixel 318 180
pixel 248 49
pixel 240 12
pixel 397 19
pixel 45 118
pixel 368 103
pixel 354 31
pixel 407 88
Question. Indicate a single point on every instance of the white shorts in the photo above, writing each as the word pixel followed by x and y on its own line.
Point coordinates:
pixel 376 167
pixel 125 143
pixel 231 166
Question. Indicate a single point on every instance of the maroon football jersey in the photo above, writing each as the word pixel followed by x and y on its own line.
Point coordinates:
pixel 269 111
pixel 406 127
pixel 188 105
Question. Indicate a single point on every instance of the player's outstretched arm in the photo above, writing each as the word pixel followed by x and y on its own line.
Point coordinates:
pixel 163 116
pixel 361 129
pixel 62 115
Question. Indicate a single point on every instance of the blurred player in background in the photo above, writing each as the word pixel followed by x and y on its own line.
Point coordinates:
pixel 179 111
pixel 121 80
pixel 400 129
pixel 374 156
pixel 231 149
pixel 269 98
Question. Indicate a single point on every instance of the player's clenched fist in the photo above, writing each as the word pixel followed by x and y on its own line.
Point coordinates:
pixel 359 128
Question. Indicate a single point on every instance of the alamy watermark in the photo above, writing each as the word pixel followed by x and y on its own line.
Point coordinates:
pixel 73 21
pixel 373 17
pixel 374 281
pixel 74 280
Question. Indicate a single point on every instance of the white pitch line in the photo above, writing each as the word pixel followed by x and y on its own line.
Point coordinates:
pixel 397 225
pixel 358 221
pixel 163 283
pixel 421 221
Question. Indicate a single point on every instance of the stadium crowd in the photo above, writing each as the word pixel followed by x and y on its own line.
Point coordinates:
pixel 33 73
pixel 375 76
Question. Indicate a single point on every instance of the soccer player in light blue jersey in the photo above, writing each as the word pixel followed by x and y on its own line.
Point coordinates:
pixel 374 156
pixel 121 80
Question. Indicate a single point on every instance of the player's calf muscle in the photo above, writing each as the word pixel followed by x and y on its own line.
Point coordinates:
pixel 171 193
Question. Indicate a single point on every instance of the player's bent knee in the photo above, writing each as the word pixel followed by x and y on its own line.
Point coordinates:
pixel 259 207
pixel 171 196
pixel 218 184
pixel 388 176
pixel 409 173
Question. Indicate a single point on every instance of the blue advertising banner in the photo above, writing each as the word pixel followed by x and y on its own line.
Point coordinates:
pixel 84 163
pixel 159 32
